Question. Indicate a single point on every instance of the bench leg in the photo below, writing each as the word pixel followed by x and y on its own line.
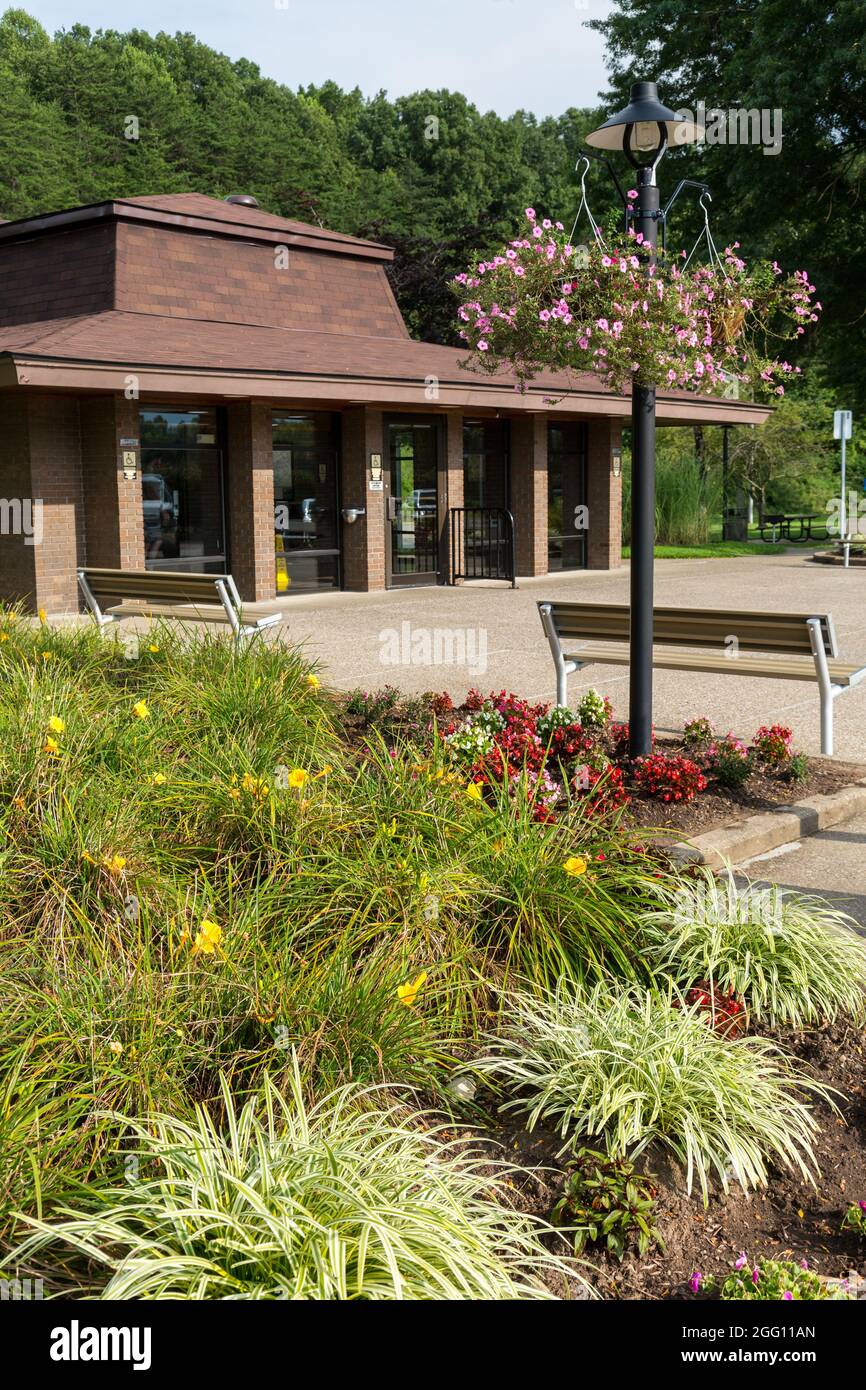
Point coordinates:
pixel 825 685
pixel 826 725
pixel 555 645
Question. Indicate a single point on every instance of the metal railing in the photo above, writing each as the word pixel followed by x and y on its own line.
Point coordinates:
pixel 482 544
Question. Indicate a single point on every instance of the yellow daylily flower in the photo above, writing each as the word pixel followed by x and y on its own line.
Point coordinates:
pixel 56 724
pixel 158 779
pixel 298 777
pixel 43 616
pixel 313 681
pixel 575 866
pixel 51 746
pixel 114 863
pixel 408 993
pixel 4 636
pixel 46 656
pixel 153 647
pixel 473 791
pixel 140 709
pixel 256 786
pixel 208 938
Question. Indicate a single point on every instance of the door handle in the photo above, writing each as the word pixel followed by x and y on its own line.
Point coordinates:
pixel 392 508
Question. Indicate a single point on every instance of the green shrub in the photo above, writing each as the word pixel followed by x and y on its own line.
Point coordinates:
pixel 635 1067
pixel 792 959
pixel 774 1281
pixel 344 1200
pixel 603 1198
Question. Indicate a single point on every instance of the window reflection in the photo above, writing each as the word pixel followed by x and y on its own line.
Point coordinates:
pixel 306 501
pixel 566 492
pixel 182 491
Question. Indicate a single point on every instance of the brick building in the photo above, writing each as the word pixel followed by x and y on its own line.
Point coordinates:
pixel 193 384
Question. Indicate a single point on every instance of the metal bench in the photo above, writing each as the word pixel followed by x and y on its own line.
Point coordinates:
pixel 804 645
pixel 193 598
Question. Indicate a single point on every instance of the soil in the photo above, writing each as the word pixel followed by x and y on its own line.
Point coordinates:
pixel 789 1220
pixel 718 806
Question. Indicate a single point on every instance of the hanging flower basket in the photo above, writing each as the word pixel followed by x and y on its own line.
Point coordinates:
pixel 544 303
pixel 727 323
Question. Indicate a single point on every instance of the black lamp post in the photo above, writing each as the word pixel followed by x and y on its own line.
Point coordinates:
pixel 643 130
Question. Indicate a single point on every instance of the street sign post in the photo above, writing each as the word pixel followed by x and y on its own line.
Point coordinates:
pixel 842 432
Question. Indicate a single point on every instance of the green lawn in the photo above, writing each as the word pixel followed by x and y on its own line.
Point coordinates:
pixel 712 550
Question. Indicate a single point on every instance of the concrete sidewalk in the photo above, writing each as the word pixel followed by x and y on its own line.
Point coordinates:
pixel 830 865
pixel 355 638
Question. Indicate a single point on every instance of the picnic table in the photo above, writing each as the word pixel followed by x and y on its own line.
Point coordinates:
pixel 779 525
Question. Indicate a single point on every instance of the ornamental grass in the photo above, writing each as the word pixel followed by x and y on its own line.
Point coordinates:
pixel 339 1200
pixel 632 1067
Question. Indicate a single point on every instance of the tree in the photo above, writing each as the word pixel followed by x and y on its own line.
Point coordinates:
pixel 806 62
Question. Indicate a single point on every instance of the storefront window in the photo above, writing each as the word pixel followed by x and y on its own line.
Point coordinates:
pixel 566 496
pixel 485 463
pixel 182 491
pixel 306 501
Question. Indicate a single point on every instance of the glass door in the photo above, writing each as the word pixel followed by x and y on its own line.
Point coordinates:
pixel 413 501
pixel 566 496
pixel 182 491
pixel 306 502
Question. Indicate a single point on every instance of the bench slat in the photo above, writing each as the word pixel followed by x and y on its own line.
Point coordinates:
pixel 784 633
pixel 154 584
pixel 841 672
pixel 187 613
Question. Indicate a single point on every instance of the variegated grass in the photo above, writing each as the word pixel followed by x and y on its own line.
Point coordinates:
pixel 345 1199
pixel 634 1067
pixel 793 959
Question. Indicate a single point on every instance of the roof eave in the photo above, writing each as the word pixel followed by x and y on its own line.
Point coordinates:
pixel 44 372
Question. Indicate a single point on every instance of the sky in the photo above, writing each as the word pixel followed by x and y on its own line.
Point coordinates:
pixel 504 55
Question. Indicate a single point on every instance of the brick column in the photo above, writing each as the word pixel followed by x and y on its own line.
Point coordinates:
pixel 113 514
pixel 56 473
pixel 42 538
pixel 17 560
pixel 529 491
pixel 250 499
pixel 450 487
pixel 603 496
pixel 364 541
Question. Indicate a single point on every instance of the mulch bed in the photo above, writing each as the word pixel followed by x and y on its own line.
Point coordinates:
pixel 718 806
pixel 713 808
pixel 767 1223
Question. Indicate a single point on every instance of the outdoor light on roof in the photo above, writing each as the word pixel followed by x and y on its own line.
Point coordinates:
pixel 645 126
pixel 242 200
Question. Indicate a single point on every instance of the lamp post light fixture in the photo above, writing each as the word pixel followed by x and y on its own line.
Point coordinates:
pixel 643 130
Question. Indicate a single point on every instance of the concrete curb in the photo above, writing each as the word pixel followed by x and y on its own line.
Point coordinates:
pixel 771 829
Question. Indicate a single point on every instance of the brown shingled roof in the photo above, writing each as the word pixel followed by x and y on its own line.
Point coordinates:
pixel 338 365
pixel 199 212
